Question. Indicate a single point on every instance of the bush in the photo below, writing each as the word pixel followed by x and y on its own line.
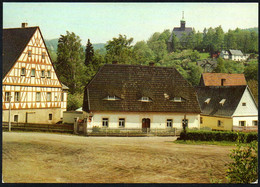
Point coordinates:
pixel 219 136
pixel 95 129
pixel 243 169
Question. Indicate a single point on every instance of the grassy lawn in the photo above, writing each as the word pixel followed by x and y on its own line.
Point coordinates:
pixel 221 143
pixel 204 56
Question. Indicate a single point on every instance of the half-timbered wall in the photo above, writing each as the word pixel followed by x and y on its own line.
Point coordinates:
pixel 34 77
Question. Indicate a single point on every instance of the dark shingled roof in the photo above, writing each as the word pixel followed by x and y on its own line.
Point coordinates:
pixel 131 82
pixel 232 94
pixel 178 32
pixel 14 42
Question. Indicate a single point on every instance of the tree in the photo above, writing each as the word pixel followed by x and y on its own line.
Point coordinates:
pixel 220 67
pixel 89 53
pixel 175 43
pixel 218 39
pixel 251 71
pixel 158 45
pixel 69 64
pixel 120 50
pixel 143 54
pixel 253 85
pixel 243 168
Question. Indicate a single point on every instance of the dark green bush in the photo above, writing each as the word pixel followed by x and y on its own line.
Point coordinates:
pixel 219 136
pixel 95 129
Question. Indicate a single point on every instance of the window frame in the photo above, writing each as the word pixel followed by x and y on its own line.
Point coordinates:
pixel 29 53
pixel 7 96
pixel 16 116
pixel 17 97
pixel 105 120
pixel 220 123
pixel 50 116
pixel 240 123
pixel 43 55
pixel 23 71
pixel 244 104
pixel 42 73
pixel 253 124
pixel 38 97
pixel 201 120
pixel 33 72
pixel 48 94
pixel 120 122
pixel 187 122
pixel 48 74
pixel 169 121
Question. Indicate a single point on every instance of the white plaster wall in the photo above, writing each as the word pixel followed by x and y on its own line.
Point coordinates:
pixel 134 119
pixel 250 108
pixel 249 120
pixel 40 116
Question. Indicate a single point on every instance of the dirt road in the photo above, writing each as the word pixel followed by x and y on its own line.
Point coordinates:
pixel 41 157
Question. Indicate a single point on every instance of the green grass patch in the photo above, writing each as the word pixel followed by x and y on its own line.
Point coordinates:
pixel 204 56
pixel 221 143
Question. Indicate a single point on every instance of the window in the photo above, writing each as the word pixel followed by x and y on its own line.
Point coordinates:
pixel 43 55
pixel 222 102
pixel 42 73
pixel 62 96
pixel 255 123
pixel 38 96
pixel 48 96
pixel 7 96
pixel 121 122
pixel 23 72
pixel 177 99
pixel 169 123
pixel 111 98
pixel 50 116
pixel 207 100
pixel 242 123
pixel 243 104
pixel 105 122
pixel 145 99
pixel 29 53
pixel 17 96
pixel 201 120
pixel 220 123
pixel 49 74
pixel 33 73
pixel 16 118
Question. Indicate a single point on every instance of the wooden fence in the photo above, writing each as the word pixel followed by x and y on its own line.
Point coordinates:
pixel 245 128
pixel 61 128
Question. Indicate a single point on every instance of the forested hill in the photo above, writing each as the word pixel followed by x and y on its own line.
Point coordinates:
pixel 52 45
pixel 251 29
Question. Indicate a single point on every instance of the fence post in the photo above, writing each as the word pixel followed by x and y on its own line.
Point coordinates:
pixel 75 124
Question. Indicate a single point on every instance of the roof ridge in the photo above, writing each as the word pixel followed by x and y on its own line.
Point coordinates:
pixel 22 27
pixel 135 65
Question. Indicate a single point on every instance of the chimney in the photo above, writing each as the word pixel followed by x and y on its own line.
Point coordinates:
pixel 24 25
pixel 151 64
pixel 114 62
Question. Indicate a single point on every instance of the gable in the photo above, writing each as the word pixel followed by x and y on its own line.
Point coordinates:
pixel 250 108
pixel 35 60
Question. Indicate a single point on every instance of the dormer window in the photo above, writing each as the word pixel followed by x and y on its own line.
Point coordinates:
pixel 177 99
pixel 222 102
pixel 111 98
pixel 145 99
pixel 207 100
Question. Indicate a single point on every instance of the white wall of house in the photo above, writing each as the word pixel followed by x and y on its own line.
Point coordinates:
pixel 250 107
pixel 134 119
pixel 247 119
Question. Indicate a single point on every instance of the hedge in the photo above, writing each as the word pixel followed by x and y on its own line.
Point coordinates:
pixel 219 136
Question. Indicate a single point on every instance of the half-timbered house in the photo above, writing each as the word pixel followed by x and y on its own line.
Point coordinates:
pixel 136 97
pixel 30 85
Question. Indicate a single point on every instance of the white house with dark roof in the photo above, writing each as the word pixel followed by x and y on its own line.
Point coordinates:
pixel 235 55
pixel 227 107
pixel 134 96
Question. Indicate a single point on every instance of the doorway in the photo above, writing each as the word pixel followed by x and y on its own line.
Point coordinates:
pixel 146 124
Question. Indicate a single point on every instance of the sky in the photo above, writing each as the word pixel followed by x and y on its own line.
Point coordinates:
pixel 100 22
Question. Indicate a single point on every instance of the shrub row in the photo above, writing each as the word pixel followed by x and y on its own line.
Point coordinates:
pixel 219 136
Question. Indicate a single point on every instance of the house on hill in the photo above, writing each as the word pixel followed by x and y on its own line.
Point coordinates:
pixel 235 55
pixel 134 96
pixel 227 107
pixel 222 79
pixel 207 65
pixel 30 86
pixel 178 32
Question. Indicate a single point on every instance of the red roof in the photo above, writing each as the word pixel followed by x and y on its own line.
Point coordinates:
pixel 215 79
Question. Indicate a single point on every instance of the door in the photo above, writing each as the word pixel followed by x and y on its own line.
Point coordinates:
pixel 145 124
